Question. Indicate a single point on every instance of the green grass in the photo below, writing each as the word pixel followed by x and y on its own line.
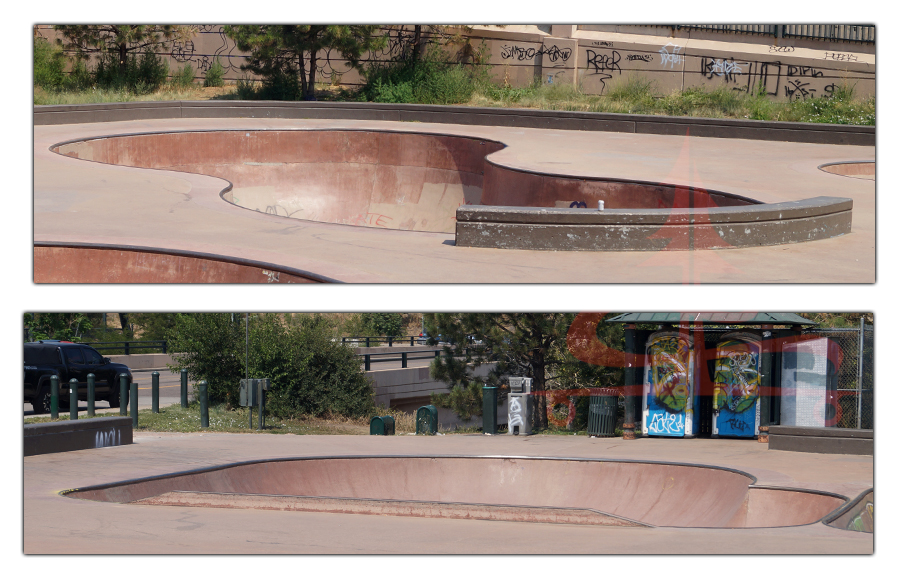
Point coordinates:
pixel 176 419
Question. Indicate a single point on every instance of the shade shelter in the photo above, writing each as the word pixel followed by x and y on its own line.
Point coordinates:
pixel 705 373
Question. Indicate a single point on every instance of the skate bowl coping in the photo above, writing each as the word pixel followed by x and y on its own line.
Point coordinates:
pixel 448 183
pixel 527 489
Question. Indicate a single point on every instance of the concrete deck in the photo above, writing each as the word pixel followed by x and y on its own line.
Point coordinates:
pixel 84 203
pixel 57 524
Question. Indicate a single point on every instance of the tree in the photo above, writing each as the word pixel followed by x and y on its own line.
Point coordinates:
pixel 310 371
pixel 520 344
pixel 57 326
pixel 119 39
pixel 290 51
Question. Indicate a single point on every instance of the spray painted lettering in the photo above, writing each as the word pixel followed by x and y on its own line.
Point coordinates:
pixel 666 423
pixel 840 57
pixel 723 68
pixel 670 54
pixel 553 53
pixel 797 90
pixel 803 71
pixel 105 438
pixel 780 49
pixel 639 57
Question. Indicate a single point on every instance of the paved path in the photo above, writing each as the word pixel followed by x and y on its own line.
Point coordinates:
pixel 84 202
pixel 51 526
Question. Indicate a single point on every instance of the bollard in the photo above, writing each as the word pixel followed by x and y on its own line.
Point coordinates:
pixel 368 365
pixel 184 388
pixel 404 360
pixel 154 390
pixel 489 412
pixel 54 397
pixel 91 388
pixel 73 399
pixel 123 394
pixel 134 405
pixel 204 404
pixel 259 416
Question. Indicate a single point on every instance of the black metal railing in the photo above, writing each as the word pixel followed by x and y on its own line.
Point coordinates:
pixel 401 357
pixel 129 346
pixel 367 341
pixel 839 32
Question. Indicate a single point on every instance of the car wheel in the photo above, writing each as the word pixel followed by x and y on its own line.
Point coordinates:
pixel 41 402
pixel 113 397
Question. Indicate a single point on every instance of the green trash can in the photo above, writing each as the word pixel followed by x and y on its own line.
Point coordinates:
pixel 381 425
pixel 426 420
pixel 602 415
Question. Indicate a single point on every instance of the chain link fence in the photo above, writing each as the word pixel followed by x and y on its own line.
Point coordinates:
pixel 855 375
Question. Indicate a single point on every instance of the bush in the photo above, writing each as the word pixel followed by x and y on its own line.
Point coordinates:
pixel 183 77
pixel 466 401
pixel 49 65
pixel 429 81
pixel 311 372
pixel 140 75
pixel 214 77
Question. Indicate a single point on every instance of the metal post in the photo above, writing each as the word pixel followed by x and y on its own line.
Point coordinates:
pixel 368 361
pixel 367 341
pixel 73 399
pixel 127 349
pixel 259 399
pixel 765 384
pixel 134 405
pixel 390 341
pixel 630 383
pixel 91 388
pixel 54 397
pixel 154 390
pixel 204 405
pixel 403 360
pixel 184 388
pixel 123 394
pixel 859 375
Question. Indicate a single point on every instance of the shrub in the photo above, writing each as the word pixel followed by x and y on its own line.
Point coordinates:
pixel 214 75
pixel 311 372
pixel 429 81
pixel 49 65
pixel 183 77
pixel 140 75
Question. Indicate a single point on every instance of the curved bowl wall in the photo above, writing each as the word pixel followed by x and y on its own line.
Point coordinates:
pixel 634 493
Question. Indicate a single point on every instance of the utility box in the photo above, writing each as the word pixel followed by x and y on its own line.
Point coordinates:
pixel 249 395
pixel 381 425
pixel 520 385
pixel 426 420
pixel 520 407
pixel 602 415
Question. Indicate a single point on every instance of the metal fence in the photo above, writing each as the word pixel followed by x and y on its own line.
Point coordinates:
pixel 840 32
pixel 855 376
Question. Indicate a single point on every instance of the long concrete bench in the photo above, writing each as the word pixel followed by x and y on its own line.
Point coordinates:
pixel 63 436
pixel 826 440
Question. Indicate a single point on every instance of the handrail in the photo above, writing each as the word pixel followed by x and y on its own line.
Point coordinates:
pixel 128 346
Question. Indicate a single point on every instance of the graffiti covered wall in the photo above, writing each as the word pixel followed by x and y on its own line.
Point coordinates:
pixel 596 61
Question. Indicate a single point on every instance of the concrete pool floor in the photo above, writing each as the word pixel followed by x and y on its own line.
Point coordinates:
pixel 78 202
pixel 56 524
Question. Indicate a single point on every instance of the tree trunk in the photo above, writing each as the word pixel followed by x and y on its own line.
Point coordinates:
pixel 417 43
pixel 310 91
pixel 123 59
pixel 302 66
pixel 540 385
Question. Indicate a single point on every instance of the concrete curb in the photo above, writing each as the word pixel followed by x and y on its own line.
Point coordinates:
pixel 509 117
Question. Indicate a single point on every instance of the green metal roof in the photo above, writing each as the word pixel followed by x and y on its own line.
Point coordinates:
pixel 737 318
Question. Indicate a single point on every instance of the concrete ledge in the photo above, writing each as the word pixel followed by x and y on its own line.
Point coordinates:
pixel 541 119
pixel 564 229
pixel 63 436
pixel 822 440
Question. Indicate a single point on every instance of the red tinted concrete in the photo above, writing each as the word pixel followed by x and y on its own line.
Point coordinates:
pixel 128 528
pixel 90 203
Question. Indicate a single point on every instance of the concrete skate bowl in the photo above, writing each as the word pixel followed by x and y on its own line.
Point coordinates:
pixel 440 183
pixel 857 515
pixel 857 169
pixel 521 489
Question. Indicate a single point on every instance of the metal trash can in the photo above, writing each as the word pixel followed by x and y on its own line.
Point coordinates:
pixel 602 415
pixel 426 420
pixel 520 407
pixel 381 425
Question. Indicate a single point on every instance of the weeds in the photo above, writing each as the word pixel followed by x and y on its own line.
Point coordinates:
pixel 214 77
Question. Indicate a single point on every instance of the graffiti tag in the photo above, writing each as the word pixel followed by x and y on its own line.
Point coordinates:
pixel 670 54
pixel 106 438
pixel 720 67
pixel 553 53
pixel 840 57
pixel 780 49
pixel 666 423
pixel 604 62
pixel 640 57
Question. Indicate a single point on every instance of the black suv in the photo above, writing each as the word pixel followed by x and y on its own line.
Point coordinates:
pixel 69 361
